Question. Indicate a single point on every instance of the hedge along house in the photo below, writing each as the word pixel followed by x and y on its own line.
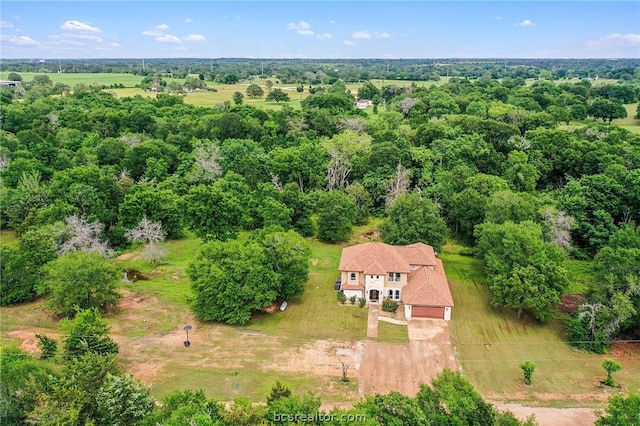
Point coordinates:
pixel 409 274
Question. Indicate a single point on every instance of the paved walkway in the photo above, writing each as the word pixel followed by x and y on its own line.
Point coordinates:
pixel 372 322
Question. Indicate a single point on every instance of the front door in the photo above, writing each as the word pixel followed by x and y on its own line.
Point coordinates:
pixel 373 296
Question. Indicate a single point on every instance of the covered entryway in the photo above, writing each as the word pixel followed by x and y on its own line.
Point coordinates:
pixel 374 296
pixel 427 312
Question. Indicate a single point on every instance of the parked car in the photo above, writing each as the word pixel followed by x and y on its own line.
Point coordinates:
pixel 337 284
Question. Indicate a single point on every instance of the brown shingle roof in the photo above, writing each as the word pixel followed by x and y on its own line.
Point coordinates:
pixel 381 258
pixel 428 287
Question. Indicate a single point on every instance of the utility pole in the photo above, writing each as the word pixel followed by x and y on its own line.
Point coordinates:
pixel 142 64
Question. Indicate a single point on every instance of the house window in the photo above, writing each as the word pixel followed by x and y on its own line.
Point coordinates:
pixel 394 294
pixel 394 276
pixel 352 277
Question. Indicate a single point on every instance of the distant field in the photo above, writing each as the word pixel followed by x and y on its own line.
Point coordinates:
pixel 492 343
pixel 129 80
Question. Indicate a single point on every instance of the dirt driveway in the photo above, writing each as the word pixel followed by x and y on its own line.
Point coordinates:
pixel 386 367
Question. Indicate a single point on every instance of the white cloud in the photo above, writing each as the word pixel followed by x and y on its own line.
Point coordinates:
pixel 324 36
pixel 5 24
pixel 152 33
pixel 74 25
pixel 361 35
pixel 19 40
pixel 306 32
pixel 168 38
pixel 194 37
pixel 525 23
pixel 497 18
pixel 615 39
pixel 188 21
pixel 91 37
pixel 114 44
pixel 348 43
pixel 162 27
pixel 382 35
pixel 332 21
pixel 300 25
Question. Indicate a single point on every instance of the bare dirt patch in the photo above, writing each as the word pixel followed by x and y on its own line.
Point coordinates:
pixel 28 340
pixel 429 352
pixel 130 300
pixel 373 235
pixel 321 358
pixel 552 416
pixel 126 256
pixel 571 303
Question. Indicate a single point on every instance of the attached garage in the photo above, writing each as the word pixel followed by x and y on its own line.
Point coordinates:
pixel 427 312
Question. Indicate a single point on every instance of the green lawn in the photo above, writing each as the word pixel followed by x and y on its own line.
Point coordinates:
pixel 8 237
pixel 392 333
pixel 492 343
pixel 129 80
pixel 580 273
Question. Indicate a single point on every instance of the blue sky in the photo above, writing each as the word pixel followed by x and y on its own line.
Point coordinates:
pixel 320 29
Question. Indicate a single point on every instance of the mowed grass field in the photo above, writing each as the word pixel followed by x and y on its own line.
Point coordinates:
pixel 491 344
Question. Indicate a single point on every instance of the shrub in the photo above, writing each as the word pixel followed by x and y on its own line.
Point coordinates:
pixel 527 369
pixel 389 305
pixel 352 300
pixel 466 251
pixel 611 367
pixel 361 302
pixel 341 297
pixel 48 346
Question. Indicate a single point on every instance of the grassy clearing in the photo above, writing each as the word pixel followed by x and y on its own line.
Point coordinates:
pixel 580 274
pixel 8 237
pixel 72 79
pixel 492 343
pixel 392 333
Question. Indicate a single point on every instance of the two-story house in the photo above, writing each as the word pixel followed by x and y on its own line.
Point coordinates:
pixel 409 274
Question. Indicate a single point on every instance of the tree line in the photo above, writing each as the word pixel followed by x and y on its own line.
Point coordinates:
pixel 487 162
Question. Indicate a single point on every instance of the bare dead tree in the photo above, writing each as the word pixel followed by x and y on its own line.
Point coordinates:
pixel 275 180
pixel 131 140
pixel 398 185
pixel 345 367
pixel 560 225
pixel 406 104
pixel 79 234
pixel 207 162
pixel 149 233
pixel 4 161
pixel 352 123
pixel 337 170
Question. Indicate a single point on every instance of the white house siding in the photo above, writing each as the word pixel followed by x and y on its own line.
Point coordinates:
pixel 407 311
pixel 351 293
pixel 447 313
pixel 374 282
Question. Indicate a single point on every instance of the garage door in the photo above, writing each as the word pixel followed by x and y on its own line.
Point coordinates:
pixel 427 312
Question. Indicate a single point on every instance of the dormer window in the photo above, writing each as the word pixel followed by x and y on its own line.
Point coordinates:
pixel 394 276
pixel 352 277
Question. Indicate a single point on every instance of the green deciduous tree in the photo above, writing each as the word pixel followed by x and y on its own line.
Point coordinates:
pixel 230 281
pixel 254 91
pixel 213 213
pixel 278 95
pixel 80 280
pixel 21 267
pixel 412 219
pixel 623 410
pixel 525 273
pixel 336 213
